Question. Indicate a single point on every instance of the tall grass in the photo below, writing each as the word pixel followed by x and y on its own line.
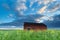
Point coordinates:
pixel 29 35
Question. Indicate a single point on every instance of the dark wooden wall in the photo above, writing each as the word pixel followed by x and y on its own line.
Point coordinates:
pixel 29 26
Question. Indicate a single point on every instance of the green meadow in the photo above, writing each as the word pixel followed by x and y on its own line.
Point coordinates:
pixel 29 35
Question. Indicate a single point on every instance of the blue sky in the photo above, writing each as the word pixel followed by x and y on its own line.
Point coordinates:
pixel 38 11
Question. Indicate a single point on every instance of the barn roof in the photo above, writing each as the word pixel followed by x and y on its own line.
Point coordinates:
pixel 30 23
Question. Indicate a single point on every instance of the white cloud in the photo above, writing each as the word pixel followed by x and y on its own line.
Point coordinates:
pixel 31 3
pixel 39 2
pixel 13 26
pixel 47 18
pixel 43 18
pixel 55 8
pixel 34 0
pixel 48 1
pixel 21 7
pixel 39 20
pixel 10 16
pixel 21 13
pixel 42 10
pixel 21 1
pixel 53 0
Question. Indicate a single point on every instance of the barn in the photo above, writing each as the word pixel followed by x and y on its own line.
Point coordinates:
pixel 34 26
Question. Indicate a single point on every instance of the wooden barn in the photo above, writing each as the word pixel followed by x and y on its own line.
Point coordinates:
pixel 34 26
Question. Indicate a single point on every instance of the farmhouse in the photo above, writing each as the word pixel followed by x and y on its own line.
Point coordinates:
pixel 34 26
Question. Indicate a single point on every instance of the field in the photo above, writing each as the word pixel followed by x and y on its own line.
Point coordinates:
pixel 29 35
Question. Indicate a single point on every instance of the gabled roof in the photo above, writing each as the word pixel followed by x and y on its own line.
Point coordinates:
pixel 30 23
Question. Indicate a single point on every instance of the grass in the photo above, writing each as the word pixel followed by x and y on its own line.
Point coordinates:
pixel 29 35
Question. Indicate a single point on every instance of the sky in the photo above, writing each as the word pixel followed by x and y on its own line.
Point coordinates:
pixel 16 12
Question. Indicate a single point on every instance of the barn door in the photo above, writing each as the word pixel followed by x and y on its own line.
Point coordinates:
pixel 28 28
